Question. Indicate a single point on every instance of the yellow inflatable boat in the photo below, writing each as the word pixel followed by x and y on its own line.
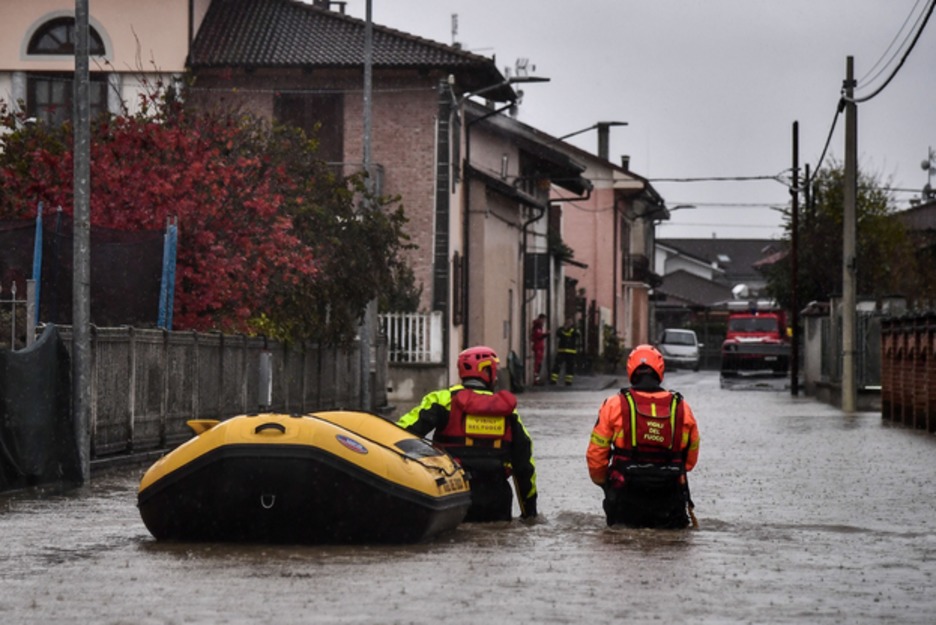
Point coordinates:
pixel 327 477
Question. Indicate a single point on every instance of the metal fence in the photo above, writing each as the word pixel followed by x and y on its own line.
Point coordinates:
pixel 867 349
pixel 145 384
pixel 413 337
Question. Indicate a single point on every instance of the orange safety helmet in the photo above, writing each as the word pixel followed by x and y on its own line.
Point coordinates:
pixel 645 355
pixel 478 362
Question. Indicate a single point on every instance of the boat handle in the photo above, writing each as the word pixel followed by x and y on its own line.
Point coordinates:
pixel 270 426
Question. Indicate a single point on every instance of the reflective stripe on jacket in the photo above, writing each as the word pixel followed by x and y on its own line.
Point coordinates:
pixel 435 413
pixel 613 433
pixel 568 340
pixel 479 418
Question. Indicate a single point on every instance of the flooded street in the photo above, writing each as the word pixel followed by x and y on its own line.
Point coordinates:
pixel 806 516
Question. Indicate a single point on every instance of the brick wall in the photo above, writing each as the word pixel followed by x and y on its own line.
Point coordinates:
pixel 908 370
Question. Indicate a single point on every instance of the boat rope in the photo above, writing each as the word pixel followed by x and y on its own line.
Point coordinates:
pixel 392 448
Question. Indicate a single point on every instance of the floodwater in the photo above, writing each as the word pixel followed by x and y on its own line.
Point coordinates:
pixel 806 516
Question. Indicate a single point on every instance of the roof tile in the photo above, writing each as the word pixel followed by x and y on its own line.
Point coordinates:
pixel 288 33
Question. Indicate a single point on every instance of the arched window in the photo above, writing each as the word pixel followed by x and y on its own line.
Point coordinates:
pixel 57 36
pixel 50 95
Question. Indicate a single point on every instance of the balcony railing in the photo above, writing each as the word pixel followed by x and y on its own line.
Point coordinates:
pixel 413 338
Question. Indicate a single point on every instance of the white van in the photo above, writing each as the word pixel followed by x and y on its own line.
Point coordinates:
pixel 680 348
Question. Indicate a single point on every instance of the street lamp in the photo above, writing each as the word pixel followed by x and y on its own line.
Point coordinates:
pixel 680 207
pixel 603 149
pixel 599 125
pixel 668 211
pixel 510 80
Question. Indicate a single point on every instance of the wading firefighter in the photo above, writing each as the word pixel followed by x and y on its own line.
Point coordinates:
pixel 567 339
pixel 643 444
pixel 482 430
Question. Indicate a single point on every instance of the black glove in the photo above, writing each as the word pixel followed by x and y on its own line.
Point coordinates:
pixel 529 508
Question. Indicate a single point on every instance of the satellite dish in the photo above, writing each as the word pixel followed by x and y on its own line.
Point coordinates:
pixel 740 291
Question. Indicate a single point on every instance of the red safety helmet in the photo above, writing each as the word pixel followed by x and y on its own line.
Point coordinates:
pixel 645 355
pixel 478 362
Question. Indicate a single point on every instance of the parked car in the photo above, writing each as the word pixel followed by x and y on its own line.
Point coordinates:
pixel 680 348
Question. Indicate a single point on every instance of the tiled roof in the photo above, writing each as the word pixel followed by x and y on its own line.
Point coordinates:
pixel 735 256
pixel 288 33
pixel 684 288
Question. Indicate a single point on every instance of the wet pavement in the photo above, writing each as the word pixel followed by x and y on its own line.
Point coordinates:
pixel 806 516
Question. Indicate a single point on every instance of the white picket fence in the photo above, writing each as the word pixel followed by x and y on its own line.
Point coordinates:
pixel 413 337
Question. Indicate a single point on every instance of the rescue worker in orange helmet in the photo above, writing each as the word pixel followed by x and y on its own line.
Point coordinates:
pixel 644 443
pixel 483 431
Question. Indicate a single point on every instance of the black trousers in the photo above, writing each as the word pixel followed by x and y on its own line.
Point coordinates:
pixel 662 508
pixel 566 359
pixel 491 497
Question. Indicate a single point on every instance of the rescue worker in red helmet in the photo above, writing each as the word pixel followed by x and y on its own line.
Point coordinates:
pixel 482 430
pixel 644 443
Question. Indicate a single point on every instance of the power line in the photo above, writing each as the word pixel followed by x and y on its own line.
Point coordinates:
pixel 730 204
pixel 775 178
pixel 838 111
pixel 866 78
pixel 718 225
pixel 903 59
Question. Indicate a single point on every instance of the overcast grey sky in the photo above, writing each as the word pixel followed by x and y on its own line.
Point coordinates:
pixel 709 88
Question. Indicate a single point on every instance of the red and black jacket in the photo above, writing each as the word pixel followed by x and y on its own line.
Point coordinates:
pixel 650 452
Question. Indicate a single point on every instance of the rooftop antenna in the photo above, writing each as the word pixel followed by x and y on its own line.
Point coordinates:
pixel 522 67
pixel 929 166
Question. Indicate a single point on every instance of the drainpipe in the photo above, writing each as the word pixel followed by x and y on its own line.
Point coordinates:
pixel 616 262
pixel 466 238
pixel 526 301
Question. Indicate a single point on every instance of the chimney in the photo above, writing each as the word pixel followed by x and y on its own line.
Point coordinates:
pixel 602 141
pixel 625 162
pixel 327 4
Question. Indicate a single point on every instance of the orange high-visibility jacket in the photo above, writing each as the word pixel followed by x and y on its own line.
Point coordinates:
pixel 613 426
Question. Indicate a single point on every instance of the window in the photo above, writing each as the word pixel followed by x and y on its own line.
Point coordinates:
pixel 58 37
pixel 320 115
pixel 50 95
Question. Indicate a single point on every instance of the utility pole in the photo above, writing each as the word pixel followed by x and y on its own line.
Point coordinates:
pixel 794 266
pixel 369 322
pixel 81 246
pixel 807 199
pixel 849 220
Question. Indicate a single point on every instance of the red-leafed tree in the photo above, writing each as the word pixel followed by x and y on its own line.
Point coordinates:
pixel 261 219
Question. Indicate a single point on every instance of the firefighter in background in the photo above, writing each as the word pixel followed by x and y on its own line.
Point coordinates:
pixel 644 443
pixel 482 430
pixel 567 340
pixel 538 335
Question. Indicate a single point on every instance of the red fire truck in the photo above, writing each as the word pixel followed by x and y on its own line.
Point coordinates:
pixel 757 343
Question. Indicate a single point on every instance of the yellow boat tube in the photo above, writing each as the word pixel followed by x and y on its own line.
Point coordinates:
pixel 325 477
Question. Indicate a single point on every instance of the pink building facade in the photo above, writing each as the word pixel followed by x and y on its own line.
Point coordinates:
pixel 611 233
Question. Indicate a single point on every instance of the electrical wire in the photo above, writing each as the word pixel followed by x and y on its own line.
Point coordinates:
pixel 865 79
pixel 903 59
pixel 720 224
pixel 840 106
pixel 838 111
pixel 775 177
